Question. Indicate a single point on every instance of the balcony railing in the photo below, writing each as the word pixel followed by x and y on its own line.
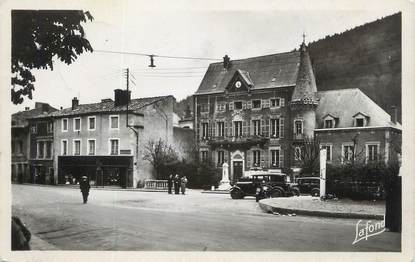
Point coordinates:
pixel 237 141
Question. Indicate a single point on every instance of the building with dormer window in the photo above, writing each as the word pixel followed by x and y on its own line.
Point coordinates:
pixel 255 113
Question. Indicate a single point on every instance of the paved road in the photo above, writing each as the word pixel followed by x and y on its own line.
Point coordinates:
pixel 115 220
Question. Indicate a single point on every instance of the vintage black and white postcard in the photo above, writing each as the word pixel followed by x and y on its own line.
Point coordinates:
pixel 266 130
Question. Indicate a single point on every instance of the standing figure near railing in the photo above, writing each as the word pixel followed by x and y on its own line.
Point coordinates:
pixel 183 184
pixel 176 182
pixel 170 183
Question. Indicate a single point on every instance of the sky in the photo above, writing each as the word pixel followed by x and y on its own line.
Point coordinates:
pixel 192 33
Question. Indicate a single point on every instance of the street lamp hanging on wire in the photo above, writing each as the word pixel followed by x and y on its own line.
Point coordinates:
pixel 151 61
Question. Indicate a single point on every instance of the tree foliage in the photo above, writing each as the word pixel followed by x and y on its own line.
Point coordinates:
pixel 38 36
pixel 158 153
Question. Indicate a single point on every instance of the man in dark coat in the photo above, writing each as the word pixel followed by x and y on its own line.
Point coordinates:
pixel 176 181
pixel 170 183
pixel 84 186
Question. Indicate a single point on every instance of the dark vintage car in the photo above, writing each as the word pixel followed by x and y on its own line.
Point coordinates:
pixel 309 185
pixel 275 185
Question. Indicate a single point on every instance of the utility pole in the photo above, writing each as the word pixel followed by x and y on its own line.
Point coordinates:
pixel 127 72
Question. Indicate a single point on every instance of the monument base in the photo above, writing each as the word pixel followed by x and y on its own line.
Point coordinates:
pixel 224 185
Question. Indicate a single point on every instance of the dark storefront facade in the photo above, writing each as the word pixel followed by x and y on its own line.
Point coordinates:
pixel 100 170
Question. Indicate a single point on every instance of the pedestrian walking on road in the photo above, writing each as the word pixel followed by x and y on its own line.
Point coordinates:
pixel 183 184
pixel 84 186
pixel 170 183
pixel 176 181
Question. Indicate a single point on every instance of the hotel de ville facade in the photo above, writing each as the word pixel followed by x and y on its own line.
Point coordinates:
pixel 251 112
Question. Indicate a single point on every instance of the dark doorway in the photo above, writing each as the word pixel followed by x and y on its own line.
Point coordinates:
pixel 237 170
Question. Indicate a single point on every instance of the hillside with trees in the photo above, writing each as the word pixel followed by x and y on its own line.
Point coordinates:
pixel 367 57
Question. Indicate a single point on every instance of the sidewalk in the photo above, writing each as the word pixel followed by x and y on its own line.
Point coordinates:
pixel 109 188
pixel 312 206
pixel 37 243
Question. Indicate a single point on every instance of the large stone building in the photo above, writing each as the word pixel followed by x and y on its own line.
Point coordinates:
pixel 22 134
pixel 255 113
pixel 103 142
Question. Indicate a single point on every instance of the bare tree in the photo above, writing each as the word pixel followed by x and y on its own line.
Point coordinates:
pixel 158 153
pixel 310 154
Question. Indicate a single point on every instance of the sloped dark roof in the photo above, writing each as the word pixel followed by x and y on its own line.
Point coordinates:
pixel 106 106
pixel 19 119
pixel 268 71
pixel 346 103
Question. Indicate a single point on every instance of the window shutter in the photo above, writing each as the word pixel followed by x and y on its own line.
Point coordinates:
pixel 249 104
pixel 281 127
pixel 266 157
pixel 262 126
pixel 282 102
pixel 265 103
pixel 230 127
pixel 215 157
pixel 262 158
pixel 243 104
pixel 244 128
pixel 248 158
pixel 231 105
pixel 198 132
pixel 281 162
pixel 266 128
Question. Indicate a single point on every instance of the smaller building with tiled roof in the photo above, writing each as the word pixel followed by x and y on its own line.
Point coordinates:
pixel 105 141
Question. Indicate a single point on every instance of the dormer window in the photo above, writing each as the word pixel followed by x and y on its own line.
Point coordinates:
pixel 328 123
pixel 361 119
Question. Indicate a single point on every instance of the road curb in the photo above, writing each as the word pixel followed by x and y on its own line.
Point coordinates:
pixel 270 209
pixel 215 192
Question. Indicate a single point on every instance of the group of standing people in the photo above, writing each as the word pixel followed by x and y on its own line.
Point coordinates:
pixel 179 184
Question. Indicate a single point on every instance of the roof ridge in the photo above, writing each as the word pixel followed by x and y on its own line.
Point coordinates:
pixel 256 57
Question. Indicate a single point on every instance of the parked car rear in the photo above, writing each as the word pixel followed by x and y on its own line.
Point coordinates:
pixel 309 185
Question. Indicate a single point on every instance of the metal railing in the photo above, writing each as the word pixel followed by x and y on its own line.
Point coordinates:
pixel 155 184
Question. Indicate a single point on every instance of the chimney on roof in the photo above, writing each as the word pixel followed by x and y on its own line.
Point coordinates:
pixel 394 115
pixel 26 108
pixel 226 62
pixel 121 97
pixel 75 103
pixel 45 107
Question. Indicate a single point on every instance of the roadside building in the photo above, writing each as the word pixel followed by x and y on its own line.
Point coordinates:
pixel 256 113
pixel 21 134
pixel 95 140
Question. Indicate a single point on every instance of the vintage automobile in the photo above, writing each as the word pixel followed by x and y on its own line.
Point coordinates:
pixel 263 185
pixel 309 185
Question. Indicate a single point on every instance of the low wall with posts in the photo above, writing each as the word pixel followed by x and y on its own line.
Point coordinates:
pixel 155 184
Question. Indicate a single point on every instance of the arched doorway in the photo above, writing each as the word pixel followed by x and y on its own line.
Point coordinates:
pixel 237 165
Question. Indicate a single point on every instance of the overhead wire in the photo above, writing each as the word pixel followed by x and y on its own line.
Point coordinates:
pixel 153 55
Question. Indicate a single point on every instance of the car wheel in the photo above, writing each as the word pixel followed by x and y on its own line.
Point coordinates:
pixel 277 193
pixel 236 194
pixel 295 191
pixel 315 192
